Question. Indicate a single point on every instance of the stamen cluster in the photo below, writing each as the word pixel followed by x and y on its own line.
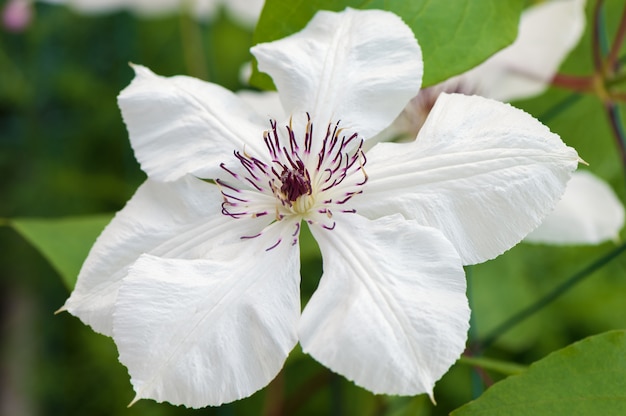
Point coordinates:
pixel 293 181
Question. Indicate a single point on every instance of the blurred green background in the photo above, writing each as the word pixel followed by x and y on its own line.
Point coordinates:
pixel 65 152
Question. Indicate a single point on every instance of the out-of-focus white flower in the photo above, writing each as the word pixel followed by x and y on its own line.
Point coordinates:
pixel 245 12
pixel 590 212
pixel 547 32
pixel 197 278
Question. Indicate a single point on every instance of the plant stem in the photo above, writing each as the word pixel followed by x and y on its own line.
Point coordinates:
pixel 596 42
pixel 612 59
pixel 548 298
pixel 498 366
pixel 615 121
pixel 192 45
pixel 573 82
pixel 559 107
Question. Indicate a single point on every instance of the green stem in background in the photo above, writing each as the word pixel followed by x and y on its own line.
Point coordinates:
pixel 612 59
pixel 13 78
pixel 274 396
pixel 597 36
pixel 502 367
pixel 559 107
pixel 615 121
pixel 548 298
pixel 192 45
pixel 336 396
pixel 477 381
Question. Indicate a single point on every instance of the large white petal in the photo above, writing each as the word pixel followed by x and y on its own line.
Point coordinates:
pixel 205 332
pixel 588 213
pixel 390 312
pixel 183 125
pixel 360 66
pixel 482 172
pixel 180 219
pixel 547 33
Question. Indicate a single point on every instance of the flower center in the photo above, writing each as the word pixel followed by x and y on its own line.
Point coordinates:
pixel 296 182
pixel 296 179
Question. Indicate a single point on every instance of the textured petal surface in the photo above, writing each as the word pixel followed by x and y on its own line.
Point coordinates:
pixel 205 332
pixel 588 213
pixel 178 220
pixel 482 172
pixel 183 125
pixel 390 312
pixel 344 66
pixel 547 33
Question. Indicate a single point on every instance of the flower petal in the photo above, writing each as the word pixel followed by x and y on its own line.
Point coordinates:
pixel 588 213
pixel 547 33
pixel 265 103
pixel 390 311
pixel 179 219
pixel 206 332
pixel 482 172
pixel 183 125
pixel 343 66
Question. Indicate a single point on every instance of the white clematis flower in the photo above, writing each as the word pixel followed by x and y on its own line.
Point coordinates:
pixel 197 278
pixel 590 212
pixel 547 32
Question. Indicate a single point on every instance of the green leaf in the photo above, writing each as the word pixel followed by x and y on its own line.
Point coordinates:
pixel 585 378
pixel 64 242
pixel 454 35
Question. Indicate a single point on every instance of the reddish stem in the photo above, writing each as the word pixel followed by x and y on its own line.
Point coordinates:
pixel 573 82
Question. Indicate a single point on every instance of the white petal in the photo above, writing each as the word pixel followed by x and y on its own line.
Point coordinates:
pixel 547 33
pixel 205 332
pixel 183 125
pixel 482 172
pixel 179 219
pixel 390 312
pixel 360 66
pixel 265 103
pixel 588 213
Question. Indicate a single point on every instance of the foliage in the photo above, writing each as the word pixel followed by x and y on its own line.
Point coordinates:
pixel 584 378
pixel 470 32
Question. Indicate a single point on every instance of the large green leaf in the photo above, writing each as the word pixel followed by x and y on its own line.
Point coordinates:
pixel 585 378
pixel 64 242
pixel 454 35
